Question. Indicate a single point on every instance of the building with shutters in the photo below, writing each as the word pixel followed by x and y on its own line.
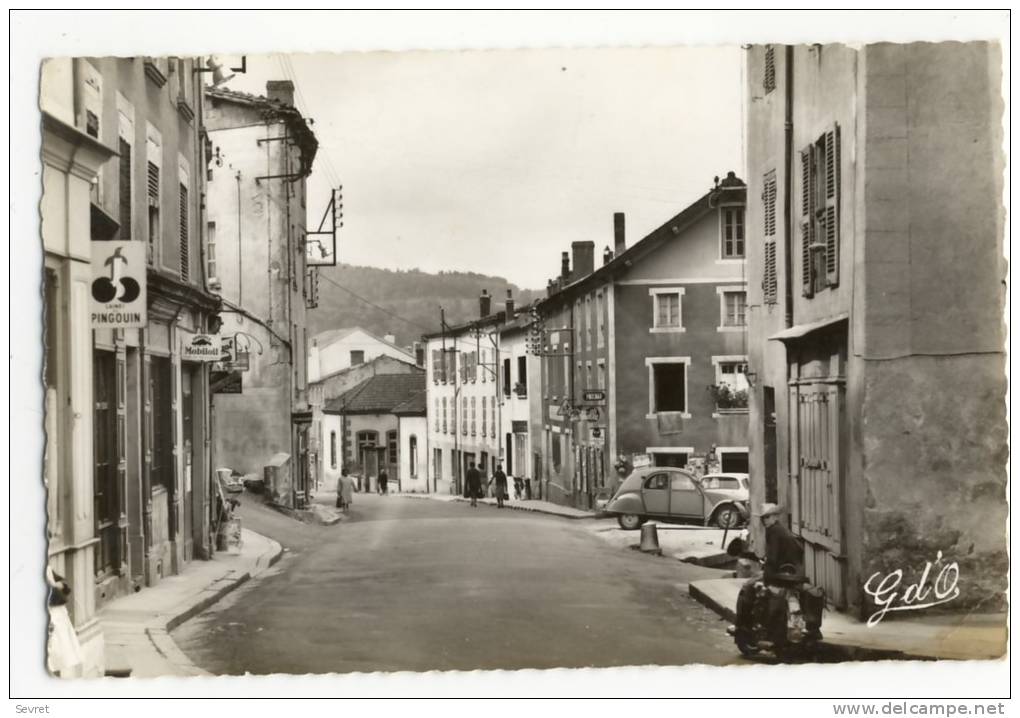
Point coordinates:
pixel 521 414
pixel 644 357
pixel 263 151
pixel 464 398
pixel 127 465
pixel 875 295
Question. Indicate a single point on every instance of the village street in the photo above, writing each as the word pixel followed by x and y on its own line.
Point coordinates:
pixel 415 585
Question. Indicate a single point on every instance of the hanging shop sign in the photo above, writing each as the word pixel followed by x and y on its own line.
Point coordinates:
pixel 118 285
pixel 202 347
pixel 225 382
pixel 597 434
pixel 594 396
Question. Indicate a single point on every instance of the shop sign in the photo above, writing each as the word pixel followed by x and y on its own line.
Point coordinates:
pixel 519 427
pixel 597 434
pixel 118 299
pixel 594 396
pixel 641 460
pixel 202 347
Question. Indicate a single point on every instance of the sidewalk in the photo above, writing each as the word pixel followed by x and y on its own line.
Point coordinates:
pixel 691 544
pixel 979 636
pixel 536 505
pixel 136 628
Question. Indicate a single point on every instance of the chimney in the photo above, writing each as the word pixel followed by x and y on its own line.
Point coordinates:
pixel 390 338
pixel 584 258
pixel 484 304
pixel 419 354
pixel 509 305
pixel 281 91
pixel 607 255
pixel 619 237
pixel 565 266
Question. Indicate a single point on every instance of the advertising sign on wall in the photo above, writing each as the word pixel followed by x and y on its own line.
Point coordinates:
pixel 202 347
pixel 118 285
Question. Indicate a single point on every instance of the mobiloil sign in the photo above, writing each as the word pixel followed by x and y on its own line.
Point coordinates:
pixel 202 347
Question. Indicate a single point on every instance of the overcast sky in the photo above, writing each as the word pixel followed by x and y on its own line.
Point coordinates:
pixel 495 161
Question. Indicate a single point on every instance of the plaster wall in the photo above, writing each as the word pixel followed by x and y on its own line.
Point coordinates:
pixel 413 478
pixel 688 262
pixel 326 359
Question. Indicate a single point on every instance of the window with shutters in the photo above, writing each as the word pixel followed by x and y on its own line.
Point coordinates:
pixel 185 249
pixel 485 423
pixel 153 197
pixel 819 225
pixel 732 230
pixel 210 250
pixel 464 416
pixel 769 81
pixel 124 190
pixel 770 280
pixel 444 416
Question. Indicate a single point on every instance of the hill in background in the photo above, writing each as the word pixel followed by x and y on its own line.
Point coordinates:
pixel 412 295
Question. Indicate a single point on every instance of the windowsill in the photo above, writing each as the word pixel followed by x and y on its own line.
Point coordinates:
pixel 666 330
pixel 732 329
pixel 731 260
pixel 681 414
pixel 728 412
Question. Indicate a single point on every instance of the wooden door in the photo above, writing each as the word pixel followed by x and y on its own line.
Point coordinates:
pixel 106 463
pixel 818 491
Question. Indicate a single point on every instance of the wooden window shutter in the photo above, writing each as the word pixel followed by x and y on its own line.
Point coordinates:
pixel 185 248
pixel 769 81
pixel 807 226
pixel 769 203
pixel 832 192
pixel 770 281
pixel 125 191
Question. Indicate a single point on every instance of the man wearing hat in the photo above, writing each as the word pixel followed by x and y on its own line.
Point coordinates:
pixel 784 558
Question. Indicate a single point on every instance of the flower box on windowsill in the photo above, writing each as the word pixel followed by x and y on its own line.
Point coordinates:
pixel 729 412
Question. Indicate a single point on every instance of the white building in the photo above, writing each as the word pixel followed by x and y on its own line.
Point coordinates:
pixel 464 400
pixel 338 349
pixel 521 412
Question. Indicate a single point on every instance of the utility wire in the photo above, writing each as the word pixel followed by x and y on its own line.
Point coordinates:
pixel 288 72
pixel 373 304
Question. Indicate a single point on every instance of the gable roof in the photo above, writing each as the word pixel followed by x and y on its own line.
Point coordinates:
pixel 333 335
pixel 381 359
pixel 380 394
pixel 736 192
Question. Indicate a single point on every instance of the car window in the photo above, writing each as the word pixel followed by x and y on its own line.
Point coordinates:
pixel 682 482
pixel 657 481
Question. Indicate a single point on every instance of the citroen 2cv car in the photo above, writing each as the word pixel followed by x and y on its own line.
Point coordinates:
pixel 673 495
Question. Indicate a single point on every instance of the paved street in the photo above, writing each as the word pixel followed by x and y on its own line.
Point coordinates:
pixel 415 584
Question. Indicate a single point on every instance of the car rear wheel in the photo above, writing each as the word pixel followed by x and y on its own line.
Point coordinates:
pixel 630 522
pixel 727 517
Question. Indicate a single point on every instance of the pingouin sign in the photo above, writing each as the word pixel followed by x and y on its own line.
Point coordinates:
pixel 118 285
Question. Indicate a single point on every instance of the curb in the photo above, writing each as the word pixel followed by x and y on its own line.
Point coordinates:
pixel 461 499
pixel 160 635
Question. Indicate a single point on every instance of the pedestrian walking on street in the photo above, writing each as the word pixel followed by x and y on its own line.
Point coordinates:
pixel 474 483
pixel 499 478
pixel 384 480
pixel 344 492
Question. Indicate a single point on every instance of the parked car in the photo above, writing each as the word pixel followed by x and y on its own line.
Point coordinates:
pixel 674 495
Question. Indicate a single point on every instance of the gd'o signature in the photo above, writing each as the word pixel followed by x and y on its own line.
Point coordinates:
pixel 915 596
